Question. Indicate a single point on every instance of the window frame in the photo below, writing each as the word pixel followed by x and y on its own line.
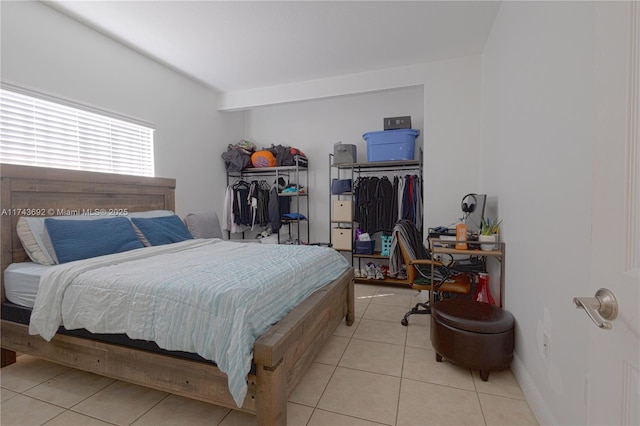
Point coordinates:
pixel 62 133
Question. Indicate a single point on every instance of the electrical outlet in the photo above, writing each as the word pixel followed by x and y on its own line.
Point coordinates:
pixel 546 345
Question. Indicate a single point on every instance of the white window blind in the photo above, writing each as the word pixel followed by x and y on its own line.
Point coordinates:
pixel 38 132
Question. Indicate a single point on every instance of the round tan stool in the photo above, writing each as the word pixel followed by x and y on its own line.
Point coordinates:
pixel 472 334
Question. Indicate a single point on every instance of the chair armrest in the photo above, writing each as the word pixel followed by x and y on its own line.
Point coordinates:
pixel 425 262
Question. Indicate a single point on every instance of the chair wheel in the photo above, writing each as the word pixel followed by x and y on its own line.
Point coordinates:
pixel 438 357
pixel 484 375
pixel 404 322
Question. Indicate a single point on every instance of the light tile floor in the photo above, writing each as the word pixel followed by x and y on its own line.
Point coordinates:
pixel 376 372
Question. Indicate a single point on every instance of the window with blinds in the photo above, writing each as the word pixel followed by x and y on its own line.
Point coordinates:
pixel 41 132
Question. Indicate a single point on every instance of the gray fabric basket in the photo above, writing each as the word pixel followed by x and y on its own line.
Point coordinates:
pixel 345 153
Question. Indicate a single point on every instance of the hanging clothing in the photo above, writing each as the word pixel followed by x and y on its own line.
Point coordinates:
pixel 407 200
pixel 262 213
pixel 246 205
pixel 394 201
pixel 380 204
pixel 258 201
pixel 418 203
pixel 229 221
pixel 401 182
pixel 241 203
pixel 277 206
pixel 384 198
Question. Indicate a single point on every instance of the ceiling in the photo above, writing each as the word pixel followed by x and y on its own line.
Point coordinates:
pixel 239 45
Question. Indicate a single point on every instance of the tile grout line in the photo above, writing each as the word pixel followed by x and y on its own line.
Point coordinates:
pixel 150 408
pixel 484 418
pixel 335 368
pixel 404 360
pixel 82 414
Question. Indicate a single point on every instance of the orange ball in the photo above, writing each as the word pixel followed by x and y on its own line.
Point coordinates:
pixel 263 159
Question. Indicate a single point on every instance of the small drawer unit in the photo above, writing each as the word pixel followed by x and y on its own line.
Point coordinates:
pixel 342 238
pixel 342 211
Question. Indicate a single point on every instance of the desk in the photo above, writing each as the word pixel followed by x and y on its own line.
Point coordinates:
pixel 439 246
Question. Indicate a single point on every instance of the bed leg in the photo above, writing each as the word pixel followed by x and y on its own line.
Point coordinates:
pixel 271 395
pixel 8 357
pixel 350 304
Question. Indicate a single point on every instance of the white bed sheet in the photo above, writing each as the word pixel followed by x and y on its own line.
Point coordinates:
pixel 21 282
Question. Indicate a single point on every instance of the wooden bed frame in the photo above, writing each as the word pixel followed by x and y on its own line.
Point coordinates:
pixel 281 355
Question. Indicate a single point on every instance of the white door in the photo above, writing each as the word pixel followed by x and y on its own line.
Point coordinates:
pixel 612 384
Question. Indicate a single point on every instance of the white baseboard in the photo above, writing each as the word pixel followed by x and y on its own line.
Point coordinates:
pixel 532 395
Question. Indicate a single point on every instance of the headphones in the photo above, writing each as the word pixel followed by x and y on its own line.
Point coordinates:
pixel 468 204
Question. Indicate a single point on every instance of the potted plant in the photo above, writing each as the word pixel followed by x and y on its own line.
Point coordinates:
pixel 489 230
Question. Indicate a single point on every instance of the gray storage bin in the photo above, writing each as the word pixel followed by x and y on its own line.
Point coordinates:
pixel 344 153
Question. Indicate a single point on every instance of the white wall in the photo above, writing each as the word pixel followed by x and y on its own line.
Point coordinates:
pixel 47 51
pixel 452 137
pixel 445 107
pixel 348 84
pixel 315 126
pixel 536 155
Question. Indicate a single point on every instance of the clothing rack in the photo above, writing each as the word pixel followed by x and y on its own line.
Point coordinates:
pixel 279 202
pixel 380 201
pixel 377 168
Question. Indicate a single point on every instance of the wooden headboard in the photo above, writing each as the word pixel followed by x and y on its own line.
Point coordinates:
pixel 26 190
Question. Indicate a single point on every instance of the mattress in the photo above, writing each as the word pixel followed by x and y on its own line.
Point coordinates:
pixel 21 282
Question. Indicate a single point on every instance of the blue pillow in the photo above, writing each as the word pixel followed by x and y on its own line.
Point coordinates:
pixel 83 239
pixel 162 230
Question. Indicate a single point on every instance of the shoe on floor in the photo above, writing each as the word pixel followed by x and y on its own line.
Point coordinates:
pixel 384 269
pixel 371 272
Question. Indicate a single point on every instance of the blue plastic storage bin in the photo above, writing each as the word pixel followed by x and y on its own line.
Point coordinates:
pixel 388 145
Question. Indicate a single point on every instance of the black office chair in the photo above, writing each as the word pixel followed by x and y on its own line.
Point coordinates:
pixel 407 248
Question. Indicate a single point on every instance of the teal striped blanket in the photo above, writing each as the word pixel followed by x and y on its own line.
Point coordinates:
pixel 210 297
